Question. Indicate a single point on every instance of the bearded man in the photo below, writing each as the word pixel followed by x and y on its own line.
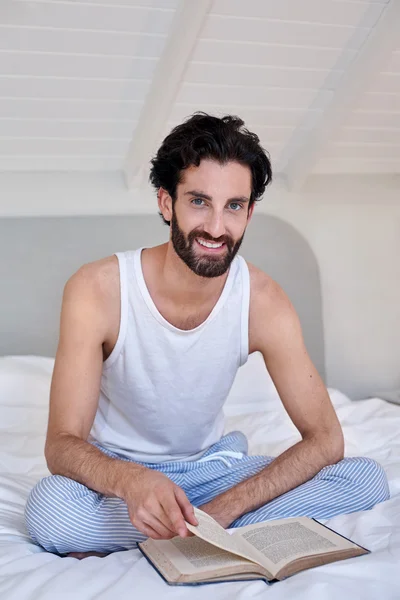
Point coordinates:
pixel 150 343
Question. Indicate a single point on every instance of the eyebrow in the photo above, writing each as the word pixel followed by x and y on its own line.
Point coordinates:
pixel 207 197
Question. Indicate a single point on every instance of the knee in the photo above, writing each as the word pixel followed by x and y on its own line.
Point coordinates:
pixel 369 477
pixel 48 506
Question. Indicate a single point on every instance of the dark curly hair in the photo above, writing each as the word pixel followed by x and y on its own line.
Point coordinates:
pixel 204 136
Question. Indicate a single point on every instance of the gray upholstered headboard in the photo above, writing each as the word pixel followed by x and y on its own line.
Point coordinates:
pixel 37 255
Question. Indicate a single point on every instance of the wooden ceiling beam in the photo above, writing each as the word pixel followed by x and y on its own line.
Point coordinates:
pixel 313 136
pixel 185 29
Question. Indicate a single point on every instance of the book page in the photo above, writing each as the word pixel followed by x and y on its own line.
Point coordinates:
pixel 192 556
pixel 203 556
pixel 287 539
pixel 209 530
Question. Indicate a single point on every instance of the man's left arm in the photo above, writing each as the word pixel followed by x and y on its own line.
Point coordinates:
pixel 275 331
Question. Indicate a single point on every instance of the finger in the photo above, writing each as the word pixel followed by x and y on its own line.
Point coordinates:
pixel 161 513
pixel 148 531
pixel 145 514
pixel 138 520
pixel 159 527
pixel 161 517
pixel 185 506
pixel 175 515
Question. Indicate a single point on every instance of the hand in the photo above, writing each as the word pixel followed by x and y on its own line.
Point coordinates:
pixel 157 507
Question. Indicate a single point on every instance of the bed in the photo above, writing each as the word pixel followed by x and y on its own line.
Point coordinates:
pixel 29 324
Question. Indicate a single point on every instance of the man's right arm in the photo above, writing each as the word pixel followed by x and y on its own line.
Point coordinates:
pixel 75 387
pixel 74 397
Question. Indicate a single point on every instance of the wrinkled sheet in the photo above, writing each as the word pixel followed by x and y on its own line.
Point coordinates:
pixel 371 428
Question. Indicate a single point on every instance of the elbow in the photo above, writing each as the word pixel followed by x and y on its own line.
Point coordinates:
pixel 335 446
pixel 57 448
pixel 331 446
pixel 51 451
pixel 48 455
pixel 338 455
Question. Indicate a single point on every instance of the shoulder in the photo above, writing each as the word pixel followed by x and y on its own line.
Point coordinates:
pixel 98 280
pixel 265 291
pixel 271 311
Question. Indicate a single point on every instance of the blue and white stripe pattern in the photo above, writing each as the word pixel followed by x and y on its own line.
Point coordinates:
pixel 64 516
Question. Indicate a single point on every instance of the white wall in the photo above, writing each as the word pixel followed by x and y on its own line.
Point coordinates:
pixel 352 224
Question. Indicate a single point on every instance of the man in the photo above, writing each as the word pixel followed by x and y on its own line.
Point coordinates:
pixel 150 342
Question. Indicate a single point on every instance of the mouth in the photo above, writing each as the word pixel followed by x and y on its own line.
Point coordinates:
pixel 211 247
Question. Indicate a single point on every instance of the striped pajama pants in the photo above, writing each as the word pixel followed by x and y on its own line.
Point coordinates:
pixel 64 516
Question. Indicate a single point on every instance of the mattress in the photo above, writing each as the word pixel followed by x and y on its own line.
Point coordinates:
pixel 371 428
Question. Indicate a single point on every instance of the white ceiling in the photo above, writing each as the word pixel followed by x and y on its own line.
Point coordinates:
pixel 95 85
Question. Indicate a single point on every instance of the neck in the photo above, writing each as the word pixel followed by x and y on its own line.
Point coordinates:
pixel 191 289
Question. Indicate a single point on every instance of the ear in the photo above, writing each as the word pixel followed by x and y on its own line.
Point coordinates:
pixel 165 204
pixel 250 213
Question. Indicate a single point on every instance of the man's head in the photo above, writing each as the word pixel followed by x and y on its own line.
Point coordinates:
pixel 209 172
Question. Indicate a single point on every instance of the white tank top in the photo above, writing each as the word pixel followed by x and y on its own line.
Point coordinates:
pixel 163 388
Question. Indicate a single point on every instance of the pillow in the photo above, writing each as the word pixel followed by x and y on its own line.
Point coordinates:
pixel 391 396
pixel 24 392
pixel 24 405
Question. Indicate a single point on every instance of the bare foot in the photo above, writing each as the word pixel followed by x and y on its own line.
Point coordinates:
pixel 81 555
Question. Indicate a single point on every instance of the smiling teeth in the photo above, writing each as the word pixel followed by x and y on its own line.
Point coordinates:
pixel 209 244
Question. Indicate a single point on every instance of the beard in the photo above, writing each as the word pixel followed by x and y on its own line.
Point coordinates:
pixel 204 266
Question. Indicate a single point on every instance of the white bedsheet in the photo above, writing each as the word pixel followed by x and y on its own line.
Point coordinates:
pixel 371 427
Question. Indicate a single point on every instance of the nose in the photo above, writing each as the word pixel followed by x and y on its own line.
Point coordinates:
pixel 215 225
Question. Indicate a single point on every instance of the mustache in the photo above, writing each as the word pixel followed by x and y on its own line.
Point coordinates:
pixel 204 236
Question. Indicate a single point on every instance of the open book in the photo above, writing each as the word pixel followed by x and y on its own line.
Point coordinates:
pixel 271 551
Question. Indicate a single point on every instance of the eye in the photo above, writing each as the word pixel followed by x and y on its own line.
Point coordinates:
pixel 195 200
pixel 239 206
